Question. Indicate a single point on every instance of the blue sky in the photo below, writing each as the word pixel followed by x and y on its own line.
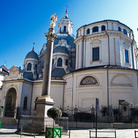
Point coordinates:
pixel 23 22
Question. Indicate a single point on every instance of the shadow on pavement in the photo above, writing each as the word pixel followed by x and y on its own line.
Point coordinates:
pixel 6 133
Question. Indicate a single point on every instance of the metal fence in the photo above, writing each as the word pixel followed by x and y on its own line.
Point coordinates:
pixel 105 114
pixel 33 124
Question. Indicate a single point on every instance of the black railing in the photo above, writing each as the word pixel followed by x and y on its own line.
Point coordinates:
pixel 105 114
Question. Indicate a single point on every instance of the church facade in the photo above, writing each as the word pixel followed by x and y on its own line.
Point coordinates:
pixel 100 63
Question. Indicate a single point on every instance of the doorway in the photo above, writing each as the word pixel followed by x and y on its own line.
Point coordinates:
pixel 10 103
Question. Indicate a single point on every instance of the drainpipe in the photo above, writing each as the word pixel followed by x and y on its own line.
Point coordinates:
pixel 108 44
pixel 107 66
pixel 63 97
pixel 83 46
pixel 72 91
pixel 31 99
pixel 132 53
pixel 107 86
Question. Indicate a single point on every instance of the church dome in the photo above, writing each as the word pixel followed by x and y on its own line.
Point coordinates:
pixel 61 49
pixel 32 54
pixel 69 38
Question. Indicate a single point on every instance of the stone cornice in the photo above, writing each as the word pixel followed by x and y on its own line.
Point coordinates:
pixel 78 39
pixel 103 35
pixel 84 70
pixel 17 80
pixel 37 82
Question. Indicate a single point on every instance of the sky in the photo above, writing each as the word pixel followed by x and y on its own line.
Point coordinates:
pixel 24 22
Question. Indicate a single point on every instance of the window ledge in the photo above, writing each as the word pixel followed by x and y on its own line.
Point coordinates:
pixel 127 64
pixel 99 61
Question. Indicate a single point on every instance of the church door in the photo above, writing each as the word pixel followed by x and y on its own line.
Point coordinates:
pixel 10 103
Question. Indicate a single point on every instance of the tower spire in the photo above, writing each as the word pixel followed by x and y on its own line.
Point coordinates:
pixel 66 13
pixel 33 47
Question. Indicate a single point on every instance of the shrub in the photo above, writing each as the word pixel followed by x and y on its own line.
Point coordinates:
pixel 84 117
pixel 134 112
pixel 106 111
pixel 116 111
pixel 1 110
pixel 54 113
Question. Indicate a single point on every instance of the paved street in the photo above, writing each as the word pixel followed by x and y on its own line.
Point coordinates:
pixel 81 133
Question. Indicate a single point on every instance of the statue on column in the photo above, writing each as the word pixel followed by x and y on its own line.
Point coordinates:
pixel 53 21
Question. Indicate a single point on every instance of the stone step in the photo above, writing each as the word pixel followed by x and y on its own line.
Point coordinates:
pixel 8 121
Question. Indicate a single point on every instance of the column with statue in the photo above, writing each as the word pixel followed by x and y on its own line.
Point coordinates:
pixel 45 102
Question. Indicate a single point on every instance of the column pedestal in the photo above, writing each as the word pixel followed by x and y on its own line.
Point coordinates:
pixel 44 103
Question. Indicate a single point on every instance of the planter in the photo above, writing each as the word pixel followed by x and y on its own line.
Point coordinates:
pixel 53 132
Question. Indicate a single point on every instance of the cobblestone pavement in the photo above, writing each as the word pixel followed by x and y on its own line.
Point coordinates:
pixel 9 132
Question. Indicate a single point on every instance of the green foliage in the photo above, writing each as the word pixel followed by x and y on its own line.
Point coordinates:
pixel 104 111
pixel 1 110
pixel 134 112
pixel 84 117
pixel 116 111
pixel 54 113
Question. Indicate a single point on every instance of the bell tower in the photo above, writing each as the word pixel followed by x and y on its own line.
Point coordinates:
pixel 65 26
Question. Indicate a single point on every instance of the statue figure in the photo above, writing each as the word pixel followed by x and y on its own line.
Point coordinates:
pixel 53 21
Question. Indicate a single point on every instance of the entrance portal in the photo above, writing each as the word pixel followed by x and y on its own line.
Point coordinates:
pixel 10 103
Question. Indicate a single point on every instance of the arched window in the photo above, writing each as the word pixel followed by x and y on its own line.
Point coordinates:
pixel 52 61
pixel 103 28
pixel 25 103
pixel 95 29
pixel 60 30
pixel 59 62
pixel 64 28
pixel 35 69
pixel 88 31
pixel 29 66
pixel 125 32
pixel 89 80
pixel 67 62
pixel 119 28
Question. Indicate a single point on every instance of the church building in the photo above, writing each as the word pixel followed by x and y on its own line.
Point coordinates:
pixel 101 62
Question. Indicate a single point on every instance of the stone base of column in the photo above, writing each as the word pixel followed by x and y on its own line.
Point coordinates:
pixel 44 103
